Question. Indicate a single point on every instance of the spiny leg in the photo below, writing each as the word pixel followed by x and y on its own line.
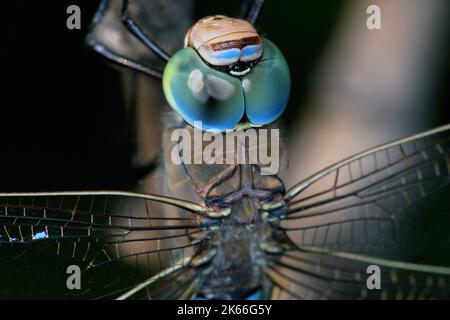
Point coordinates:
pixel 140 171
pixel 121 60
pixel 137 31
pixel 254 11
pixel 112 56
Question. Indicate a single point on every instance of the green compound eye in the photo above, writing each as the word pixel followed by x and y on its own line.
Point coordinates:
pixel 267 87
pixel 199 93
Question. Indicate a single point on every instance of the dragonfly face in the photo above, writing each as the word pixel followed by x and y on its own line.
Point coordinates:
pixel 226 231
pixel 227 74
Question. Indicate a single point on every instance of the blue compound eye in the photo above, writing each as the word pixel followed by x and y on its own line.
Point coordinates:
pixel 198 92
pixel 216 101
pixel 267 87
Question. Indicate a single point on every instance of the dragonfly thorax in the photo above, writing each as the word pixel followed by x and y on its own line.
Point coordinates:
pixel 238 265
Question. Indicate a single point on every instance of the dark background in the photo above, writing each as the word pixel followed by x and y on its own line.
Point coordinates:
pixel 62 120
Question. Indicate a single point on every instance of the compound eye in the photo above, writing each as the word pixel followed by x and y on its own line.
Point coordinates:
pixel 267 87
pixel 201 95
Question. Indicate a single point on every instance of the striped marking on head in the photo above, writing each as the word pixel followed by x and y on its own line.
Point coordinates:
pixel 223 41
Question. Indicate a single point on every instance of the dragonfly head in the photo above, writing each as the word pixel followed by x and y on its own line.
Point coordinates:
pixel 226 74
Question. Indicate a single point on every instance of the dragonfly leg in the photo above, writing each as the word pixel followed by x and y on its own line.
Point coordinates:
pixel 137 31
pixel 254 11
pixel 112 56
pixel 123 61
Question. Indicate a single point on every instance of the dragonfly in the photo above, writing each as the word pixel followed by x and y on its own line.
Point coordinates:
pixel 226 231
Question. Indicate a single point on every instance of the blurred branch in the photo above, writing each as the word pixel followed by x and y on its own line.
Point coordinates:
pixel 372 85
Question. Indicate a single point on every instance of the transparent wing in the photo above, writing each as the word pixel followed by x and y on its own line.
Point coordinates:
pixel 387 207
pixel 118 240
pixel 165 21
